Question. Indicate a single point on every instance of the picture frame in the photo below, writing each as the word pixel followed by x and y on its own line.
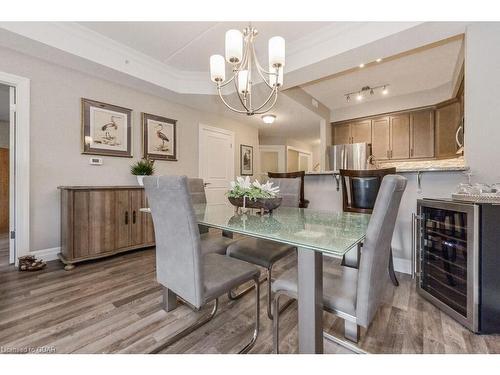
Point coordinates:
pixel 246 160
pixel 106 129
pixel 159 137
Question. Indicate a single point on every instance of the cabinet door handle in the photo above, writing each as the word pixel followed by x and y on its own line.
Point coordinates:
pixel 133 217
pixel 388 154
pixel 126 217
pixel 411 151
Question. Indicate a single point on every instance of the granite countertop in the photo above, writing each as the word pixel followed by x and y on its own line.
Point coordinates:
pixel 444 165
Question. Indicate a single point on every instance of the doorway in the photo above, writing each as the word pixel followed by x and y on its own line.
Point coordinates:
pixel 216 162
pixel 6 160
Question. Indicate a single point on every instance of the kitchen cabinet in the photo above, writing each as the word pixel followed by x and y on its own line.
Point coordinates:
pixel 448 119
pixel 102 221
pixel 342 134
pixel 381 144
pixel 422 134
pixel 400 136
pixel 361 131
pixel 391 137
pixel 353 132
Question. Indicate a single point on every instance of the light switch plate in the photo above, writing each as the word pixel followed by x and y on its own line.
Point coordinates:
pixel 95 161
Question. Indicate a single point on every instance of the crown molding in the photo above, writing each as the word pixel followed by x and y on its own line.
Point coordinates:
pixel 85 43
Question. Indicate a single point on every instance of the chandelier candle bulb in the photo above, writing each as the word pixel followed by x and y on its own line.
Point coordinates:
pixel 217 69
pixel 234 46
pixel 277 51
pixel 243 85
pixel 240 53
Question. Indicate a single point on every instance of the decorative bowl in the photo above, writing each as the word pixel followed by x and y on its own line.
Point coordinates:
pixel 263 204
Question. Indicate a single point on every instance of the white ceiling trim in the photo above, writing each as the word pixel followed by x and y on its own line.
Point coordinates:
pixel 83 42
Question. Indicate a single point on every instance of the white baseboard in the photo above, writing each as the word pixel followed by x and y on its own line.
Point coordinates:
pixel 47 254
pixel 402 265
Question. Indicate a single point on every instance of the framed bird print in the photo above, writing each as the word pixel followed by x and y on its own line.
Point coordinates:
pixel 106 129
pixel 159 137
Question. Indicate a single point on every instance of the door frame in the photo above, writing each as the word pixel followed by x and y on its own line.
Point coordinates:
pixel 201 127
pixel 19 216
pixel 280 150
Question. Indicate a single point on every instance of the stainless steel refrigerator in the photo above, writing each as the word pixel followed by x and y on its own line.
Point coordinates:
pixel 349 156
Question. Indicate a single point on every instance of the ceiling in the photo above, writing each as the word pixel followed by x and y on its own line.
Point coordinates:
pixel 413 72
pixel 171 59
pixel 188 46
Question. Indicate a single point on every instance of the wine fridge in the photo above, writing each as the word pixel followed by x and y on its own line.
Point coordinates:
pixel 457 260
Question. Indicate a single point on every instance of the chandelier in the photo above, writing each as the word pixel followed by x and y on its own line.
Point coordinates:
pixel 240 54
pixel 367 90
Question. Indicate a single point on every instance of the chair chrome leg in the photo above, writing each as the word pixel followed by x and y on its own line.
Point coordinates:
pixel 344 343
pixel 270 299
pixel 186 331
pixel 351 331
pixel 392 274
pixel 243 292
pixel 276 340
pixel 250 345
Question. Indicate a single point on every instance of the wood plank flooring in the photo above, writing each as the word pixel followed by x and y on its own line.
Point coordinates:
pixel 4 249
pixel 114 306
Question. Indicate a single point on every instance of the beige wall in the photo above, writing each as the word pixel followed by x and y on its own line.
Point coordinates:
pixel 56 138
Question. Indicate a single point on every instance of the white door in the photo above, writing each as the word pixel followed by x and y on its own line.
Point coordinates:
pixel 304 162
pixel 216 162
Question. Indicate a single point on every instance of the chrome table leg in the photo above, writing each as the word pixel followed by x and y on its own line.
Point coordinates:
pixel 310 292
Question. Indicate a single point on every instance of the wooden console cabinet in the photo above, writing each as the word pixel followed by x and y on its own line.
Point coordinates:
pixel 101 221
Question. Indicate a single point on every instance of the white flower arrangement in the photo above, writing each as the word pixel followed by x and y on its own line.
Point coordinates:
pixel 242 187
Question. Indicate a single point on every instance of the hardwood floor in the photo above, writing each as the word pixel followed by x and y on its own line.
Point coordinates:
pixel 4 249
pixel 114 306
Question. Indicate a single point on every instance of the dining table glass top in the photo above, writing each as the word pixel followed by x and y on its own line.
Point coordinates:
pixel 333 233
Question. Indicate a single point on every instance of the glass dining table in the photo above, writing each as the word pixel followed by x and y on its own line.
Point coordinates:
pixel 315 233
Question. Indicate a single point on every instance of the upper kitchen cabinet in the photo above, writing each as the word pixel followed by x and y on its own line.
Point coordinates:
pixel 391 137
pixel 381 145
pixel 341 134
pixel 361 131
pixel 422 134
pixel 352 132
pixel 448 119
pixel 400 136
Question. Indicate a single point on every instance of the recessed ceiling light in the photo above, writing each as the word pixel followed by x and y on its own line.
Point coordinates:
pixel 359 97
pixel 361 65
pixel 379 59
pixel 385 91
pixel 268 119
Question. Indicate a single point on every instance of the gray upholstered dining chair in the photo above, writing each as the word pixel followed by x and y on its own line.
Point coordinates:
pixel 211 243
pixel 266 253
pixel 355 294
pixel 183 268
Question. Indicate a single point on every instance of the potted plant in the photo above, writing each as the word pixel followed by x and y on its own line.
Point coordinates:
pixel 246 194
pixel 143 167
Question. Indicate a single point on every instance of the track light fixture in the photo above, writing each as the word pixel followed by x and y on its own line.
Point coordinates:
pixel 361 94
